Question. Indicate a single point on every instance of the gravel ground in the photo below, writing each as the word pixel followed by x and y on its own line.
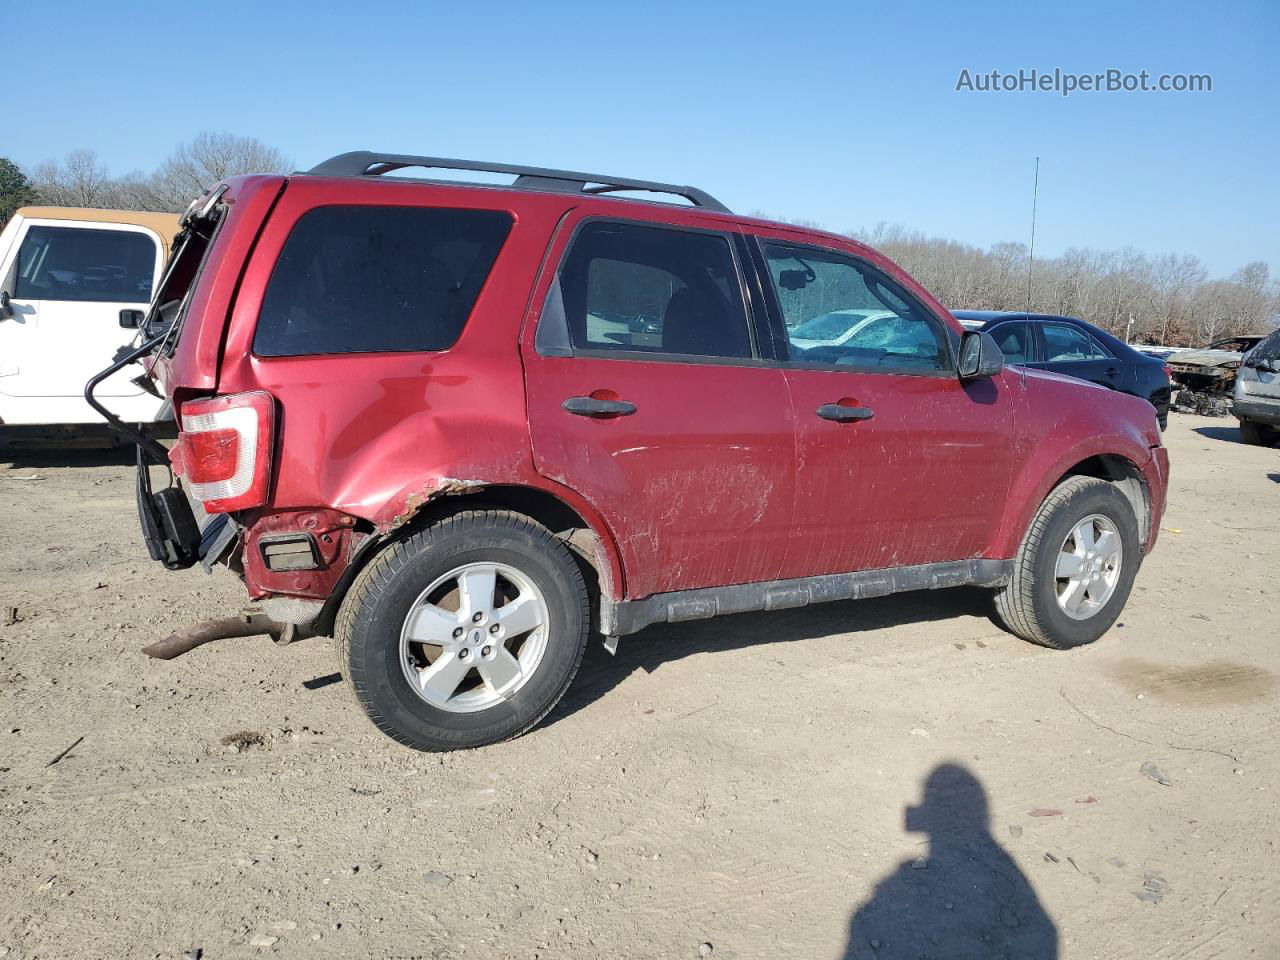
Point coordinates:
pixel 877 779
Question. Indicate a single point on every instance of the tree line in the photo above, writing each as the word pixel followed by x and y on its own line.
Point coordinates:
pixel 1168 299
pixel 81 180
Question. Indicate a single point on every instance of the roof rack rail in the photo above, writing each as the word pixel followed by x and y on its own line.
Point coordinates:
pixel 365 163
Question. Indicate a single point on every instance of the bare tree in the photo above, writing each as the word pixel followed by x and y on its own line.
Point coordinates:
pixel 195 166
pixel 79 181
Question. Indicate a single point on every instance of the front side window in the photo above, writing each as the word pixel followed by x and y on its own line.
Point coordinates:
pixel 839 311
pixel 1014 341
pixel 365 279
pixel 85 265
pixel 1064 343
pixel 637 288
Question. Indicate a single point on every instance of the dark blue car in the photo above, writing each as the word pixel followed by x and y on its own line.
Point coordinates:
pixel 1075 348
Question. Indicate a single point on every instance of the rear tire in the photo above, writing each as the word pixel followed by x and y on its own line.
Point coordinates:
pixel 415 589
pixel 1258 434
pixel 1062 592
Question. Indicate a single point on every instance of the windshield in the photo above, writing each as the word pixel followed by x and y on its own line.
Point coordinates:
pixel 87 266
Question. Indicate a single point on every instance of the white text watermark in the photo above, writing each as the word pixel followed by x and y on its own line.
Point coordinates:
pixel 1066 83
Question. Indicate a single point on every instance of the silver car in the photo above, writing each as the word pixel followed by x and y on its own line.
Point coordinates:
pixel 1256 398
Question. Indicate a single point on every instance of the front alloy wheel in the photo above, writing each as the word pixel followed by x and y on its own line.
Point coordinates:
pixel 1075 567
pixel 1088 567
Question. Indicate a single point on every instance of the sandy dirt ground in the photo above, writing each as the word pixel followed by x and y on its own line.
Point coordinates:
pixel 871 779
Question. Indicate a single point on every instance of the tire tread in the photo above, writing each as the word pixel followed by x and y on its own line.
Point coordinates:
pixel 1015 602
pixel 378 573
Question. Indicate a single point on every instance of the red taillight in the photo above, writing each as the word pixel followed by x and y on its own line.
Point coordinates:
pixel 224 450
pixel 1168 371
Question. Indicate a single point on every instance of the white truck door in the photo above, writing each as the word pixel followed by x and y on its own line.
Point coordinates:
pixel 68 282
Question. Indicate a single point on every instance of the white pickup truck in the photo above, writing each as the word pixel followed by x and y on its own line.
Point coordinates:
pixel 74 285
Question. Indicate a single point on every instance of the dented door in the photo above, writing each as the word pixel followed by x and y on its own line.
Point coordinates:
pixel 899 462
pixel 646 395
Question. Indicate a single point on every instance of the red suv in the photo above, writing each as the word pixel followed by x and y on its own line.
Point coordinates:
pixel 460 426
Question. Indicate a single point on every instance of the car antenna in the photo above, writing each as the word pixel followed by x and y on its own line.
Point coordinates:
pixel 1031 258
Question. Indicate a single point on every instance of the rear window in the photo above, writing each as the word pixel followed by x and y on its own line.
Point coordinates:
pixel 85 265
pixel 360 279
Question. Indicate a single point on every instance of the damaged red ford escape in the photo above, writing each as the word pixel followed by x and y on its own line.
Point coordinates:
pixel 461 426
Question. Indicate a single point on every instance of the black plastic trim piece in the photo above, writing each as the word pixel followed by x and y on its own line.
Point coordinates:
pixel 366 163
pixel 629 616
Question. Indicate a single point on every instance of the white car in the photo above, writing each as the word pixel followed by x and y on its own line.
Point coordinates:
pixel 74 285
pixel 835 328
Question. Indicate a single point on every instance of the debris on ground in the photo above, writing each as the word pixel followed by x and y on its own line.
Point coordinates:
pixel 11 617
pixel 1154 887
pixel 435 878
pixel 243 740
pixel 1045 812
pixel 65 752
pixel 1152 772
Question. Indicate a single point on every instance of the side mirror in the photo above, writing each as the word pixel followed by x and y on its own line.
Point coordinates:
pixel 131 319
pixel 980 357
pixel 6 308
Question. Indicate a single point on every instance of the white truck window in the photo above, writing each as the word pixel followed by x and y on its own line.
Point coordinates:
pixel 82 265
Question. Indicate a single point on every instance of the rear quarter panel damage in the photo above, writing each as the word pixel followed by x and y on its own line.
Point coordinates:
pixel 377 435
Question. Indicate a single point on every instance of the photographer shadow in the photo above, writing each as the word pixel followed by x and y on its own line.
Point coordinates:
pixel 963 899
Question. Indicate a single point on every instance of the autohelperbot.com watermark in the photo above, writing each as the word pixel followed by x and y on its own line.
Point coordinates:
pixel 1065 83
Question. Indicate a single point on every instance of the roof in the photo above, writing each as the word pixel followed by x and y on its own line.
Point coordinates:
pixel 991 316
pixel 366 163
pixel 165 224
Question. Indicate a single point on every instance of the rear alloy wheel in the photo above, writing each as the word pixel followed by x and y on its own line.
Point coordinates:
pixel 465 633
pixel 474 637
pixel 1075 568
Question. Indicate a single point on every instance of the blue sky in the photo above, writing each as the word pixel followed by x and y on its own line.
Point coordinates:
pixel 841 113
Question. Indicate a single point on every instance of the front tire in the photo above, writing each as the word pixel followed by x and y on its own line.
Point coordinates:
pixel 1075 568
pixel 466 633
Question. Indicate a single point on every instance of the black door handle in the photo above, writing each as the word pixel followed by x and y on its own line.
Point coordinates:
pixel 834 411
pixel 1112 372
pixel 591 407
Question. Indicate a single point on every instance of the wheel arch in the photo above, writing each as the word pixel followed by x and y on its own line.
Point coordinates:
pixel 581 528
pixel 1118 468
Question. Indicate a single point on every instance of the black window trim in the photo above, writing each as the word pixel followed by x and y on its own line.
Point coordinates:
pixel 272 358
pixel 750 303
pixel 778 327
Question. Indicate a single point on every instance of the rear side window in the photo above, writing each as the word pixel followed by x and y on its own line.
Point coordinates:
pixel 1064 343
pixel 1014 341
pixel 85 265
pixel 632 287
pixel 361 279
